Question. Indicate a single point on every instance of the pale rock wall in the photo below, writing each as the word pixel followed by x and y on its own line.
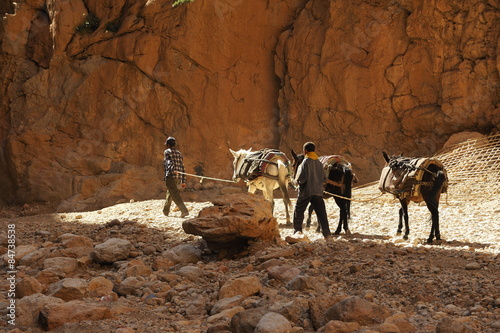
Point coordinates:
pixel 84 113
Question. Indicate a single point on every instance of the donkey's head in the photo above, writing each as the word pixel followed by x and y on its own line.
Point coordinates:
pixel 239 159
pixel 394 161
pixel 296 161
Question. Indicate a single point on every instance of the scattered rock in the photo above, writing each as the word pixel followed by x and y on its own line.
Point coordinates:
pixel 283 273
pixel 244 286
pixel 246 321
pixel 29 286
pixel 273 323
pixel 55 315
pixel 60 264
pixel 193 289
pixel 357 310
pixel 184 253
pixel 69 289
pixel 226 303
pixel 336 326
pixel 113 249
pixel 473 266
pixel 29 307
pixel 450 325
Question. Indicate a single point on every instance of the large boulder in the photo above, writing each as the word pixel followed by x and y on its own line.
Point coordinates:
pixel 233 220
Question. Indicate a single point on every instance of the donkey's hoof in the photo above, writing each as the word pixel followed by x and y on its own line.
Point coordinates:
pixel 437 241
pixel 398 232
pixel 405 237
pixel 348 232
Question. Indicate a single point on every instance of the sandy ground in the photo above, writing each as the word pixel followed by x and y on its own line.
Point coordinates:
pixel 470 232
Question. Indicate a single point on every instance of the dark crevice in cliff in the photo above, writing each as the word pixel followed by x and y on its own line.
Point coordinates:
pixel 177 96
pixel 282 113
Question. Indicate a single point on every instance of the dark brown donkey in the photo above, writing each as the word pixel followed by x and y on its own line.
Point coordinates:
pixel 417 180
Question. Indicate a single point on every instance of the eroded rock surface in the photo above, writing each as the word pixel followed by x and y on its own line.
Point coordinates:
pixel 91 90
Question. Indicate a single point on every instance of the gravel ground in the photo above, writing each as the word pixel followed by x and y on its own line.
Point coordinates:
pixel 426 282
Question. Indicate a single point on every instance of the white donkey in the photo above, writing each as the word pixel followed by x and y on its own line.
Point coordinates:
pixel 264 170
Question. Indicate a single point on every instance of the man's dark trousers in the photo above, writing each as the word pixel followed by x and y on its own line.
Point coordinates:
pixel 318 205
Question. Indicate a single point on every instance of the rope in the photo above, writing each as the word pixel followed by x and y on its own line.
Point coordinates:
pixel 204 177
pixel 351 199
pixel 232 181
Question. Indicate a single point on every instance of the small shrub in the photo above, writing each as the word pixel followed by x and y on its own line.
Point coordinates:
pixel 178 2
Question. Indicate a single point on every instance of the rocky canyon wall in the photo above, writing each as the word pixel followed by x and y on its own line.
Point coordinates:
pixel 360 77
pixel 91 89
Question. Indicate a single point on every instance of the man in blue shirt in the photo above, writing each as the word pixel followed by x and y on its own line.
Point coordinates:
pixel 174 176
pixel 310 177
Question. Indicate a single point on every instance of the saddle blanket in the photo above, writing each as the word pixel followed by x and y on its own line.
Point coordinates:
pixel 257 163
pixel 335 162
pixel 405 181
pixel 332 160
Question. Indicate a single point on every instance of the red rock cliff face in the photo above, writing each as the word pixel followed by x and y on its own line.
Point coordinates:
pixel 91 89
pixel 363 76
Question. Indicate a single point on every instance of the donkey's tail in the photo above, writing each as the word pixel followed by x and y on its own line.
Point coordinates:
pixel 440 182
pixel 283 175
pixel 348 177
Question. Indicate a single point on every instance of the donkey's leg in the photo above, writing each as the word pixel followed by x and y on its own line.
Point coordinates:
pixel 348 194
pixel 404 212
pixel 342 214
pixel 346 216
pixel 268 186
pixel 433 205
pixel 400 223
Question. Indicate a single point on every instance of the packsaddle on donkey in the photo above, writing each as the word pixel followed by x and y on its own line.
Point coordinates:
pixel 417 180
pixel 265 170
pixel 339 171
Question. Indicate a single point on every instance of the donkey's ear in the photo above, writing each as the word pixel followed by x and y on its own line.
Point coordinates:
pixel 386 157
pixel 233 152
pixel 294 155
